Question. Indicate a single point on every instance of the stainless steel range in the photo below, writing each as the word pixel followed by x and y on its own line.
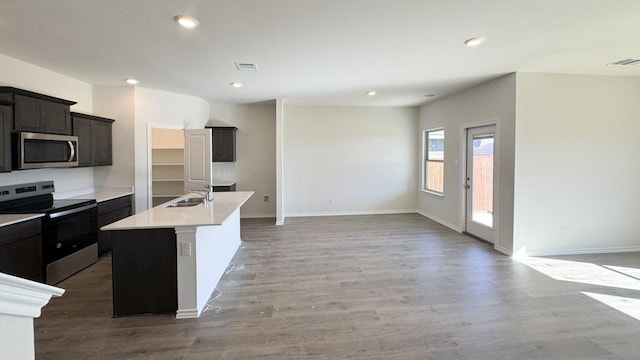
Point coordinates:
pixel 69 227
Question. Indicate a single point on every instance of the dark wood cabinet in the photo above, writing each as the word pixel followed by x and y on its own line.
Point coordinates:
pixel 223 142
pixel 231 187
pixel 144 270
pixel 6 122
pixel 21 250
pixel 108 212
pixel 94 139
pixel 34 112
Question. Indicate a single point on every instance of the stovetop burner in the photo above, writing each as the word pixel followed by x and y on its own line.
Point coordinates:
pixel 35 198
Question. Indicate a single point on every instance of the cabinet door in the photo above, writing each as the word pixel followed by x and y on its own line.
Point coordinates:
pixel 101 143
pixel 23 258
pixel 57 118
pixel 5 137
pixel 82 129
pixel 224 144
pixel 28 114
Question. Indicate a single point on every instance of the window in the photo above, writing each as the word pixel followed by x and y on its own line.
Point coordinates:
pixel 434 161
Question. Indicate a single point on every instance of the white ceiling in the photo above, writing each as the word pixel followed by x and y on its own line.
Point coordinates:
pixel 325 52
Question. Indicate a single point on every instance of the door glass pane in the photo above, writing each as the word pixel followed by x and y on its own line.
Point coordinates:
pixel 482 203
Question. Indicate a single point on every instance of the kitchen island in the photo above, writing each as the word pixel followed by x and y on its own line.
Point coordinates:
pixel 171 257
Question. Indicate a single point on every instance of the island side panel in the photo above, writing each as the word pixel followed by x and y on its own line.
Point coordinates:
pixel 216 246
pixel 144 272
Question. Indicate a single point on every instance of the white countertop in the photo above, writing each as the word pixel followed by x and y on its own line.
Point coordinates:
pixel 100 195
pixel 103 195
pixel 161 216
pixel 10 219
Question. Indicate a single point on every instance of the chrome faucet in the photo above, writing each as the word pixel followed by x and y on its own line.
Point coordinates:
pixel 206 194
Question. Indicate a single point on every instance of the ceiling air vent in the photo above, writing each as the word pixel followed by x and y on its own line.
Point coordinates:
pixel 626 62
pixel 246 67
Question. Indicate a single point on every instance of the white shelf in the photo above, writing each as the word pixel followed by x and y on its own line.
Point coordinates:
pixel 168 164
pixel 167 195
pixel 168 180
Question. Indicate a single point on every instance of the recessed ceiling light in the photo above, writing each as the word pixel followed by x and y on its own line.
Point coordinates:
pixel 474 41
pixel 236 84
pixel 186 21
pixel 371 92
pixel 131 81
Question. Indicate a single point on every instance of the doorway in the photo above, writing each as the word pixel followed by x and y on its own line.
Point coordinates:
pixel 166 164
pixel 480 184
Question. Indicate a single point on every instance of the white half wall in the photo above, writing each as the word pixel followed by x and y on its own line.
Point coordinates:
pixel 577 170
pixel 20 74
pixel 255 166
pixel 349 160
pixel 117 102
pixel 491 101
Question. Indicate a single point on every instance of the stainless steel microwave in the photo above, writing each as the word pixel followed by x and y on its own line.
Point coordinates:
pixel 36 151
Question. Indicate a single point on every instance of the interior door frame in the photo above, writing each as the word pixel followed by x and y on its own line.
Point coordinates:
pixel 150 127
pixel 496 178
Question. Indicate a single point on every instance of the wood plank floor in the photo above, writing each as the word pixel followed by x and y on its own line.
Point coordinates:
pixel 362 287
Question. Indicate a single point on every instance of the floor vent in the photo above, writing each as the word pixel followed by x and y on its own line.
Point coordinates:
pixel 628 61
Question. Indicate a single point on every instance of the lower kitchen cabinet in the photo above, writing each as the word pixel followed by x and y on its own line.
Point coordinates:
pixel 108 212
pixel 144 268
pixel 21 250
pixel 223 188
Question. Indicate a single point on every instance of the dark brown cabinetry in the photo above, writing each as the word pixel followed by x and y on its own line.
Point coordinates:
pixel 94 139
pixel 33 112
pixel 223 142
pixel 231 187
pixel 6 122
pixel 144 269
pixel 108 212
pixel 21 250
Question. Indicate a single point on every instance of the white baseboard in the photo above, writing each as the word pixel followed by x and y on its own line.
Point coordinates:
pixel 562 252
pixel 503 250
pixel 440 221
pixel 347 213
pixel 257 216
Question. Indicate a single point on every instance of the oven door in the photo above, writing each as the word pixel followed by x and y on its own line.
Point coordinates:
pixel 70 231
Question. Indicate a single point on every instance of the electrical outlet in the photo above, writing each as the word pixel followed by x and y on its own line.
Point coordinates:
pixel 185 249
pixel 266 198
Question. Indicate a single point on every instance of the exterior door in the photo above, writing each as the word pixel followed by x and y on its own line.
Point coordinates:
pixel 480 183
pixel 197 159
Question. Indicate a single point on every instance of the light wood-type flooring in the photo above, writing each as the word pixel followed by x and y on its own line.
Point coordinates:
pixel 367 287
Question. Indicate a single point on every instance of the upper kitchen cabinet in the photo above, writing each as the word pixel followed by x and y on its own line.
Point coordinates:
pixel 94 139
pixel 33 112
pixel 223 141
pixel 6 121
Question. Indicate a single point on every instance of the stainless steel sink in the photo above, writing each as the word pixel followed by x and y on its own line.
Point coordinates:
pixel 187 202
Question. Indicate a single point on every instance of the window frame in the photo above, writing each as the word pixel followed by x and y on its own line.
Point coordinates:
pixel 426 160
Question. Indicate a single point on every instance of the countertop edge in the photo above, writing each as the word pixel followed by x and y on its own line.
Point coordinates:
pixel 119 225
pixel 17 218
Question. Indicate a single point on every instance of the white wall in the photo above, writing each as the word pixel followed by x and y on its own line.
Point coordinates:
pixel 22 75
pixel 117 102
pixel 255 166
pixel 492 101
pixel 162 108
pixel 349 160
pixel 577 163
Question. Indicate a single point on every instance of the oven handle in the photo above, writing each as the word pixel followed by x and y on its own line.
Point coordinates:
pixel 72 150
pixel 72 211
